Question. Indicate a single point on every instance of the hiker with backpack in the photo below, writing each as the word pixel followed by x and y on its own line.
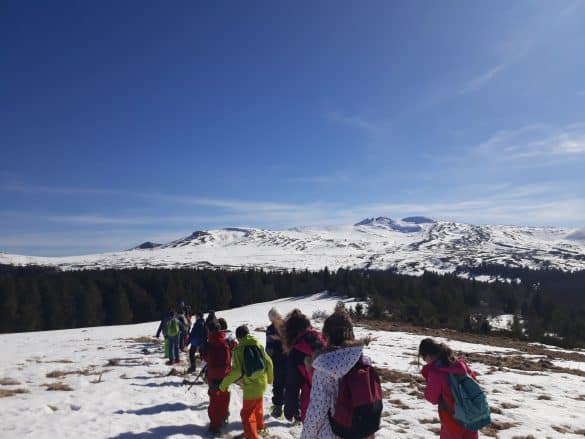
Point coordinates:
pixel 452 385
pixel 162 328
pixel 218 356
pixel 252 364
pixel 346 396
pixel 173 333
pixel 278 357
pixel 197 339
pixel 229 335
pixel 301 341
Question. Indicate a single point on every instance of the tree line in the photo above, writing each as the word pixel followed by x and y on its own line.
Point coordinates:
pixel 550 303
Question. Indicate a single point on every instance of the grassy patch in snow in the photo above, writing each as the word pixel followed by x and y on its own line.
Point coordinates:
pixel 496 426
pixel 58 387
pixel 81 372
pixel 519 362
pixel 144 339
pixel 8 382
pixel 5 393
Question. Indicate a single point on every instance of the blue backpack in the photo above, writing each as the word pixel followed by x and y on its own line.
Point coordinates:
pixel 471 407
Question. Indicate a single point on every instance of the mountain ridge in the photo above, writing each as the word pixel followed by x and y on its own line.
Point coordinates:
pixel 410 245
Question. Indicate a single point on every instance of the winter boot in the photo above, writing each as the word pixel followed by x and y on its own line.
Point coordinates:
pixel 276 411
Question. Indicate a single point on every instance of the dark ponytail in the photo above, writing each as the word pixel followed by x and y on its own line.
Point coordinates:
pixel 439 350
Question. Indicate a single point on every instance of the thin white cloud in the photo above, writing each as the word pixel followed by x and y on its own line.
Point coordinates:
pixel 482 80
pixel 353 121
pixel 535 141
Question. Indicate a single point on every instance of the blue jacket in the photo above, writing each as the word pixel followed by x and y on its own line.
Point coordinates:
pixel 198 334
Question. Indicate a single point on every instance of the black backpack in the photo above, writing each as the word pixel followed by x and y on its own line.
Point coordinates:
pixel 253 360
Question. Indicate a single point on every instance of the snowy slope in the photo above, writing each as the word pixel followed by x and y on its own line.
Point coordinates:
pixel 133 397
pixel 411 245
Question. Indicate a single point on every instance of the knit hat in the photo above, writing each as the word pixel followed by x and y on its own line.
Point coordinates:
pixel 274 314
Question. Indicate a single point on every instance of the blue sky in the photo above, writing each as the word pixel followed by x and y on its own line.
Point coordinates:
pixel 130 121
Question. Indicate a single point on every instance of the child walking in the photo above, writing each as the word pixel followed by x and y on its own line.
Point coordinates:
pixel 274 349
pixel 254 367
pixel 300 341
pixel 441 362
pixel 330 365
pixel 217 354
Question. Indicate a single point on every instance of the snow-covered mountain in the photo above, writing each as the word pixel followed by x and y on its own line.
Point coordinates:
pixel 411 245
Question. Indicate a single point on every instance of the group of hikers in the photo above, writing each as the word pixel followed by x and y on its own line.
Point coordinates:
pixel 321 379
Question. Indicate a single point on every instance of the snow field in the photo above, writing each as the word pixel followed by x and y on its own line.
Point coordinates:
pixel 123 392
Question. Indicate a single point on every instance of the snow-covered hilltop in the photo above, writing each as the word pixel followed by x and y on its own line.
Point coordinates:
pixel 411 245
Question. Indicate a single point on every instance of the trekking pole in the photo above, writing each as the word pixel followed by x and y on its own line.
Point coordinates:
pixel 196 378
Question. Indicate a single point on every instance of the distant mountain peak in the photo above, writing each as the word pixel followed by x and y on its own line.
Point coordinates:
pixel 146 245
pixel 381 220
pixel 418 220
pixel 390 224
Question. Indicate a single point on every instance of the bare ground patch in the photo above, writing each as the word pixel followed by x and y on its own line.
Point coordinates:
pixel 492 429
pixel 8 382
pixel 58 387
pixel 5 393
pixel 81 372
pixel 429 421
pixel 489 340
pixel 518 362
pixel 144 339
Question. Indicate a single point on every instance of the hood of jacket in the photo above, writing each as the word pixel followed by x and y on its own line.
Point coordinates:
pixel 216 337
pixel 459 367
pixel 338 362
pixel 248 340
pixel 309 341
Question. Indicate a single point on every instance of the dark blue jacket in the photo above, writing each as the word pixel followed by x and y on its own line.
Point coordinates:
pixel 198 334
pixel 273 347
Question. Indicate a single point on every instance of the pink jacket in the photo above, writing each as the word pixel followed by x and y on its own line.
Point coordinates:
pixel 438 392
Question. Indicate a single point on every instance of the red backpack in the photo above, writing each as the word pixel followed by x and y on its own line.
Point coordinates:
pixel 358 407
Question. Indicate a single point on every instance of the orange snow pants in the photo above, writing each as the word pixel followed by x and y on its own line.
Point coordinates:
pixel 252 414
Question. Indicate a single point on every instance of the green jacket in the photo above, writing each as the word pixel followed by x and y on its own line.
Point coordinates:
pixel 254 385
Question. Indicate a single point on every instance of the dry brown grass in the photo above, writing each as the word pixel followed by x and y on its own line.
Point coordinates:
pixel 489 340
pixel 53 407
pixel 435 430
pixel 496 426
pixel 58 386
pixel 113 362
pixel 544 398
pixel 525 365
pixel 524 437
pixel 8 382
pixel 429 421
pixel 522 388
pixel 143 339
pixel 395 376
pixel 508 405
pixel 398 403
pixel 81 372
pixel 5 393
pixel 561 429
pixel 496 410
